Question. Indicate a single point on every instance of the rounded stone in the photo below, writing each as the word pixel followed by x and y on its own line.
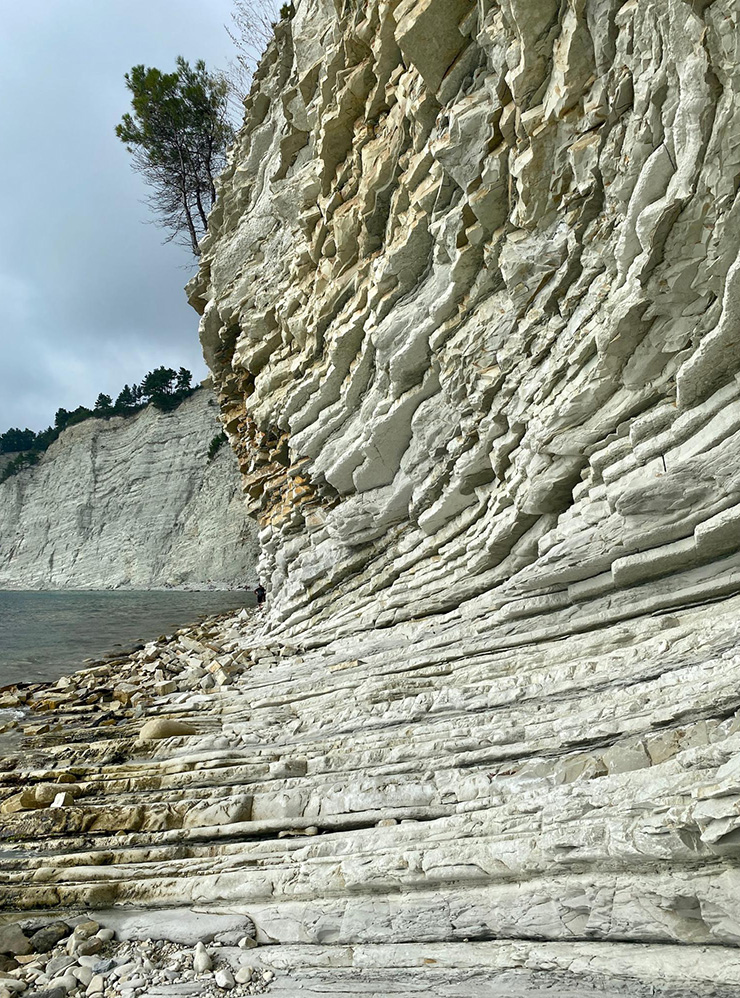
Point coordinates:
pixel 164 727
pixel 224 979
pixel 46 938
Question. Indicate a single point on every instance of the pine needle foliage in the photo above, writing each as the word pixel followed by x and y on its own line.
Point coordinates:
pixel 177 133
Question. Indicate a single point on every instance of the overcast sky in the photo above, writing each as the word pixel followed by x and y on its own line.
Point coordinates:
pixel 91 298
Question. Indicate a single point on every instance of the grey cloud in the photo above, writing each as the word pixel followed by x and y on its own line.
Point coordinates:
pixel 91 297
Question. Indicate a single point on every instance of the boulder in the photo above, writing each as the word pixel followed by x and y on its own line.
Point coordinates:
pixel 164 727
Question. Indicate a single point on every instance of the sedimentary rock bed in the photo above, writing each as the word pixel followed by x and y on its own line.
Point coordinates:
pixel 470 298
pixel 131 502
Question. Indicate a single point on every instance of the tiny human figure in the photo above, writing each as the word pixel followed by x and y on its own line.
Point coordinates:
pixel 261 593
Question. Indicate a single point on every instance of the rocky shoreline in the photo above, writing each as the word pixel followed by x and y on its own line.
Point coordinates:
pixel 320 794
pixel 121 686
pixel 82 956
pixel 59 958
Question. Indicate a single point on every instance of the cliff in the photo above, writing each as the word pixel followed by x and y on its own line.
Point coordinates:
pixel 129 501
pixel 470 296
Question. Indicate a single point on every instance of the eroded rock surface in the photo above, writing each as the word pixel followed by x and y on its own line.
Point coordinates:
pixel 129 501
pixel 469 295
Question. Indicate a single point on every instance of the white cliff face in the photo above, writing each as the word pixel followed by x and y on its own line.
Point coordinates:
pixel 129 501
pixel 470 294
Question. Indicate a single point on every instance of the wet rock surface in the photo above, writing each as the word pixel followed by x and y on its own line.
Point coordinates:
pixel 303 806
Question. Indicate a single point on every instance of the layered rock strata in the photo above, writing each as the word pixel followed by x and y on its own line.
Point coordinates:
pixel 129 501
pixel 512 818
pixel 470 296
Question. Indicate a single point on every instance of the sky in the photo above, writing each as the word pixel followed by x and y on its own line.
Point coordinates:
pixel 91 297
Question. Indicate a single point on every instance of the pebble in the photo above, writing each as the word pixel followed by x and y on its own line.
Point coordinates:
pixel 86 929
pixel 96 985
pixel 124 970
pixel 83 974
pixel 246 942
pixel 99 966
pixel 135 982
pixel 88 947
pixel 201 959
pixel 244 975
pixel 68 982
pixel 105 935
pixel 225 979
pixel 58 964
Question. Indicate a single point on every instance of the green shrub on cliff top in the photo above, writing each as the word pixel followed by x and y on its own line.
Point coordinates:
pixel 163 387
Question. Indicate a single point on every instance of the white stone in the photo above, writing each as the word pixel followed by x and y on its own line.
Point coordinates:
pixel 224 979
pixel 201 959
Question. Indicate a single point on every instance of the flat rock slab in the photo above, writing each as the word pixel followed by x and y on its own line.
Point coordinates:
pixel 471 984
pixel 177 925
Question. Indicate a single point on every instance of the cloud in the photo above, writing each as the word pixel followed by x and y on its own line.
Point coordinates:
pixel 91 296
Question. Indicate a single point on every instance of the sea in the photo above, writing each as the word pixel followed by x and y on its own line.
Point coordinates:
pixel 45 635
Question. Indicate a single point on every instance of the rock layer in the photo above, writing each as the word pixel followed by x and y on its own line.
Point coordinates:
pixel 129 501
pixel 469 294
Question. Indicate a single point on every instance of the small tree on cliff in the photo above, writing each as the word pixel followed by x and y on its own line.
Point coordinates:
pixel 178 134
pixel 103 403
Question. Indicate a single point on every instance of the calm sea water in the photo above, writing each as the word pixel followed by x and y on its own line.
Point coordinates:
pixel 44 635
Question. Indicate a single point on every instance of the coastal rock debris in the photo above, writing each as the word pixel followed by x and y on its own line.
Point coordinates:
pixel 123 967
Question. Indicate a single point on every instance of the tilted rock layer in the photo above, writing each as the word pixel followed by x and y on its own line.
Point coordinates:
pixel 471 295
pixel 131 502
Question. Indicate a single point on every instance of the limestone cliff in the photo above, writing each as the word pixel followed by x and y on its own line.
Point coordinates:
pixel 129 502
pixel 471 295
pixel 471 298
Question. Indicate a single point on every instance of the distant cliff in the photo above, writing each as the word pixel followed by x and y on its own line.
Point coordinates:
pixel 131 502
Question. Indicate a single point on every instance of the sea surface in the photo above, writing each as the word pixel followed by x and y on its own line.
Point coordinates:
pixel 45 635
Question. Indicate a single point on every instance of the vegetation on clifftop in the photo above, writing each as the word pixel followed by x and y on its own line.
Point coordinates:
pixel 164 388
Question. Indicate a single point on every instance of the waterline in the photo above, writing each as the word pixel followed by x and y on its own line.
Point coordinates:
pixel 44 635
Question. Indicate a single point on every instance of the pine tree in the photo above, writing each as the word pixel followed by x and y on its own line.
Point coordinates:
pixel 178 133
pixel 125 399
pixel 103 403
